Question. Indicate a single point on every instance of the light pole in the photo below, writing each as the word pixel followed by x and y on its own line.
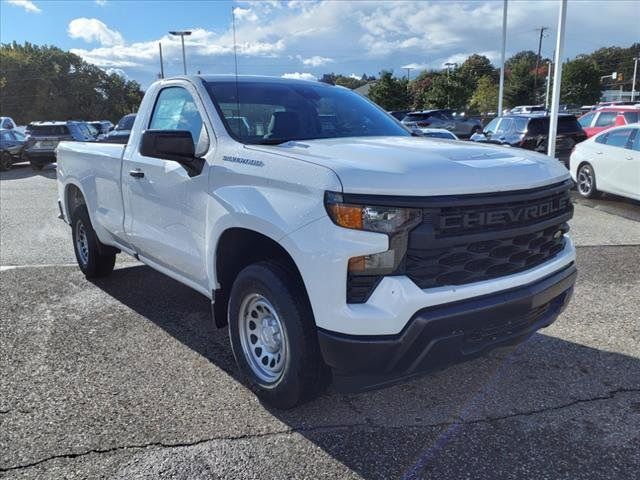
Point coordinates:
pixel 182 34
pixel 504 46
pixel 557 80
pixel 633 84
pixel 449 65
pixel 408 69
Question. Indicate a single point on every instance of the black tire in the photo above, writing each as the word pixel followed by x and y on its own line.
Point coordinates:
pixel 586 181
pixel 91 261
pixel 303 373
pixel 36 165
pixel 5 161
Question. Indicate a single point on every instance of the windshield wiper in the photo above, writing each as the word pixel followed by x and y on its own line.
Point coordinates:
pixel 273 141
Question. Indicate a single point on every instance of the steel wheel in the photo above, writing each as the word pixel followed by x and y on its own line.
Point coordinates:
pixel 263 338
pixel 5 161
pixel 586 180
pixel 82 243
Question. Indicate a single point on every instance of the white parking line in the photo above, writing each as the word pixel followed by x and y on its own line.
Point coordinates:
pixel 4 268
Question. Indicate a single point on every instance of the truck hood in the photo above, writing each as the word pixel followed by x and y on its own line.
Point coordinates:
pixel 424 166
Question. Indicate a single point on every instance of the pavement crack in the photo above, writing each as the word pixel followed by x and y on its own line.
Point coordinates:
pixel 460 421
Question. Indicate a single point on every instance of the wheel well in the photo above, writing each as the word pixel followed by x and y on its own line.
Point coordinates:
pixel 73 199
pixel 238 248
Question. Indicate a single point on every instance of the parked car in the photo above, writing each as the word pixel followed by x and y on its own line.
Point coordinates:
pixel 531 131
pixel 11 148
pixel 7 123
pixel 343 249
pixel 438 133
pixel 120 134
pixel 608 162
pixel 462 126
pixel 103 127
pixel 601 119
pixel 399 114
pixel 43 138
pixel 527 109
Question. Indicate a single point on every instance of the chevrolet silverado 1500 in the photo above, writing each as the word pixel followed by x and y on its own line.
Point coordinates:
pixel 332 243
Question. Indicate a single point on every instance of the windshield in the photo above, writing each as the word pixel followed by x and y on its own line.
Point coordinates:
pixel 126 122
pixel 272 113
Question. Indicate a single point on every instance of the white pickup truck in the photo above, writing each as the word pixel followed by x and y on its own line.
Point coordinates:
pixel 332 242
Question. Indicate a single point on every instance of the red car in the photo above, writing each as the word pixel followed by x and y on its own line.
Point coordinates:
pixel 598 120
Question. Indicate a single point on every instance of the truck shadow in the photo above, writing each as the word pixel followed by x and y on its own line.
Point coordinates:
pixel 20 171
pixel 540 406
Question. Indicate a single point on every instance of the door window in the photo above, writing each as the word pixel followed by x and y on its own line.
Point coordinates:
pixel 6 136
pixel 636 141
pixel 631 117
pixel 618 138
pixel 175 109
pixel 505 125
pixel 491 127
pixel 585 120
pixel 606 119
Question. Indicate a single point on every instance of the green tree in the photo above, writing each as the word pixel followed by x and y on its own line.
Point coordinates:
pixel 485 97
pixel 445 91
pixel 581 82
pixel 518 89
pixel 390 92
pixel 47 83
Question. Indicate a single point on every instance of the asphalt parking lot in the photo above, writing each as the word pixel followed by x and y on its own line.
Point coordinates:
pixel 127 378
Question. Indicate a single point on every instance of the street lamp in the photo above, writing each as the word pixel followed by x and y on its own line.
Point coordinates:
pixel 182 34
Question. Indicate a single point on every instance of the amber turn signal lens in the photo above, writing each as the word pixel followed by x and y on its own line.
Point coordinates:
pixel 356 264
pixel 347 216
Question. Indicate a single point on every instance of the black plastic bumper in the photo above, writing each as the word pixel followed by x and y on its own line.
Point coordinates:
pixel 441 336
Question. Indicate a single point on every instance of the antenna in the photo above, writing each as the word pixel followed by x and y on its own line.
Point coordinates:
pixel 235 59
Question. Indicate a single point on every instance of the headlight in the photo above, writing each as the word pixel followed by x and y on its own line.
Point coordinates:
pixel 394 221
pixel 369 217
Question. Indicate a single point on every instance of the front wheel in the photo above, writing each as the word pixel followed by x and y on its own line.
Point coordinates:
pixel 5 161
pixel 586 181
pixel 273 335
pixel 87 247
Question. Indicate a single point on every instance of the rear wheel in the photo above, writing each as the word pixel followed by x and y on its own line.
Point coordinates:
pixel 273 335
pixel 88 249
pixel 586 181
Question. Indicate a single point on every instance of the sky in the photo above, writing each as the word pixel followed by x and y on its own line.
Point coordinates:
pixel 308 38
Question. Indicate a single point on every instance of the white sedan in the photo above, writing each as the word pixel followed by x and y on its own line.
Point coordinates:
pixel 608 162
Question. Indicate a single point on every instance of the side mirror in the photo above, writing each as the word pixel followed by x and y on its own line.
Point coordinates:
pixel 416 132
pixel 176 145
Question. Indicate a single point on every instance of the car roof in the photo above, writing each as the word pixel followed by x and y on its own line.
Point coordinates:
pixel 533 115
pixel 251 78
pixel 54 123
pixel 618 108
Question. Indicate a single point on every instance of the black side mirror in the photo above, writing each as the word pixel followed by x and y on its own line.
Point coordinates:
pixel 176 145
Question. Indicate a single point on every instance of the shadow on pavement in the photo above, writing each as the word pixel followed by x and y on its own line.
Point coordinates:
pixel 542 406
pixel 23 170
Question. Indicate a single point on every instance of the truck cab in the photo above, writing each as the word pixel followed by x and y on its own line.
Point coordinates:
pixel 332 243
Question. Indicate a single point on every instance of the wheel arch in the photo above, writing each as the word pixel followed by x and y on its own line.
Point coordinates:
pixel 237 248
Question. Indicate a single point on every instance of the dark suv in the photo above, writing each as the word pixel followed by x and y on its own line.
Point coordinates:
pixel 462 126
pixel 531 131
pixel 43 138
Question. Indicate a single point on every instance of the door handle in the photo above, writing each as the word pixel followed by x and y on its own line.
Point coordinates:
pixel 137 173
pixel 599 153
pixel 629 158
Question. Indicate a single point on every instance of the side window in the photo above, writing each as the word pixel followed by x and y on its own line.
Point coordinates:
pixel 631 117
pixel 636 141
pixel 618 138
pixel 492 126
pixel 602 138
pixel 585 120
pixel 175 109
pixel 505 125
pixel 606 119
pixel 5 136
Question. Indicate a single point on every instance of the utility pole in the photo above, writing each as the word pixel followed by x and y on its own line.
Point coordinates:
pixel 504 46
pixel 161 63
pixel 633 84
pixel 546 98
pixel 182 34
pixel 449 65
pixel 535 74
pixel 557 80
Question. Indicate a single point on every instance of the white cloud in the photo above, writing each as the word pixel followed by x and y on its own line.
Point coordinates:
pixel 102 3
pixel 28 5
pixel 314 61
pixel 92 29
pixel 415 66
pixel 117 71
pixel 300 76
pixel 245 14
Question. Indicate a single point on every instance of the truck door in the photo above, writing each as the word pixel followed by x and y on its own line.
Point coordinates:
pixel 165 219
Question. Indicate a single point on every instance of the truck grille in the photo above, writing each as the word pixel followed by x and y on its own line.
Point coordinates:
pixel 471 238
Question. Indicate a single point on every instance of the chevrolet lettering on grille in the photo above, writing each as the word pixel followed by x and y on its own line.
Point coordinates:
pixel 505 216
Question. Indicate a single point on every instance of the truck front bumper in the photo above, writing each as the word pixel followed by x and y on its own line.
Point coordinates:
pixel 439 336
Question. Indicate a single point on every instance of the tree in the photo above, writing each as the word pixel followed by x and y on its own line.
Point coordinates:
pixel 581 82
pixel 518 88
pixel 485 97
pixel 47 83
pixel 390 93
pixel 445 91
